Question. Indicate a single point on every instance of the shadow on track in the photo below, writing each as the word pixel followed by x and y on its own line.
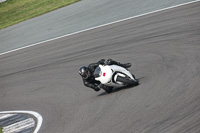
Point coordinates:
pixel 116 90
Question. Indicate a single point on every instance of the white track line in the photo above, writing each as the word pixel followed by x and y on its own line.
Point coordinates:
pixel 98 27
pixel 19 126
pixel 6 116
pixel 35 114
pixel 38 116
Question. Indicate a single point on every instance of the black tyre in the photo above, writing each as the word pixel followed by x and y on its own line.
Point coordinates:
pixel 108 89
pixel 133 76
pixel 126 81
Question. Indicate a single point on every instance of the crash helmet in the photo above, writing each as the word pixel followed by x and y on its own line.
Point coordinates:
pixel 84 72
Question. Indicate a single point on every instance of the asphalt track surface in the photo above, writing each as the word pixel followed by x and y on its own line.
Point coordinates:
pixel 79 16
pixel 164 50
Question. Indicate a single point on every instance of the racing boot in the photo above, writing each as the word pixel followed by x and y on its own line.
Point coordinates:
pixel 112 62
pixel 126 65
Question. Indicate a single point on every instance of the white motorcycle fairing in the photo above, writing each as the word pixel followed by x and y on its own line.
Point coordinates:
pixel 108 75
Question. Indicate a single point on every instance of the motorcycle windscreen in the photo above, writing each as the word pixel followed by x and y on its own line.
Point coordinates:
pixel 97 72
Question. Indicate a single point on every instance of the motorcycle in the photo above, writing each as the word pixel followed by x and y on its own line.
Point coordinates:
pixel 114 76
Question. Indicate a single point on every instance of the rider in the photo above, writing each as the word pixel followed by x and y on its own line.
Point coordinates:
pixel 88 77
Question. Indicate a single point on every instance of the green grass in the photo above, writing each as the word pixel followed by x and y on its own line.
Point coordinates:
pixel 1 130
pixel 15 11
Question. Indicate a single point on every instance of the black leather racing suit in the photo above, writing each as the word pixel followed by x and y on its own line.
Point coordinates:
pixel 90 81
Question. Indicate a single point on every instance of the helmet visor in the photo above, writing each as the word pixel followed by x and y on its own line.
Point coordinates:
pixel 84 75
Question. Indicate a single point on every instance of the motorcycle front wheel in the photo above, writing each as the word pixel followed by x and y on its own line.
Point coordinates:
pixel 108 89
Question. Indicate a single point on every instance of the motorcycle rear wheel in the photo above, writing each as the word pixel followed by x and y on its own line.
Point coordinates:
pixel 126 81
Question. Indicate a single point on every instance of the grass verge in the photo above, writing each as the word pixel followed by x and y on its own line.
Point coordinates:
pixel 1 130
pixel 15 11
